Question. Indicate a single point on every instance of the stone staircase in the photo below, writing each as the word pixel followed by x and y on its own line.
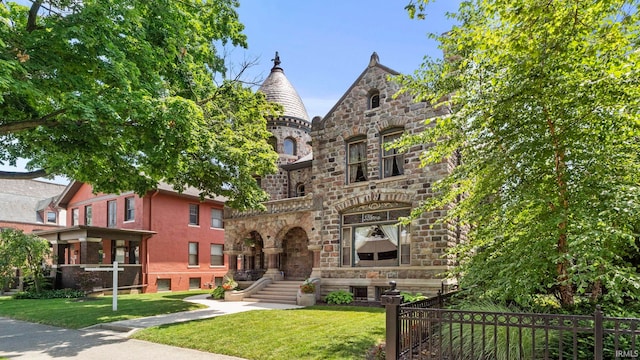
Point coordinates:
pixel 279 292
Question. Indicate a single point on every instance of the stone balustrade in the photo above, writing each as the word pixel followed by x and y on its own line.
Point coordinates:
pixel 275 207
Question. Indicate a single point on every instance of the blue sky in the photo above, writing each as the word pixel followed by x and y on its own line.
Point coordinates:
pixel 325 45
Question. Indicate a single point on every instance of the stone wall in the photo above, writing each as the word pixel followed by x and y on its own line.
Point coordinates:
pixel 277 185
pixel 351 118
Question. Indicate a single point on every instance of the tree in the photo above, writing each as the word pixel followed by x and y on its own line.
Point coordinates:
pixel 25 252
pixel 544 100
pixel 121 94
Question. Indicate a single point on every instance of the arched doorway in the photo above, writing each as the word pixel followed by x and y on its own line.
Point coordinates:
pixel 252 263
pixel 296 260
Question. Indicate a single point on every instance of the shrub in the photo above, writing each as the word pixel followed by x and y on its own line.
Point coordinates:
pixel 339 297
pixel 50 294
pixel 503 340
pixel 409 297
pixel 218 292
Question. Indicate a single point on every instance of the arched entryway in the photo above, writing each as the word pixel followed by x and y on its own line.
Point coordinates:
pixel 296 261
pixel 252 260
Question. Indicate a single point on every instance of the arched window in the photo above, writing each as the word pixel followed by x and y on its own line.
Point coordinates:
pixel 300 189
pixel 274 143
pixel 289 146
pixel 374 99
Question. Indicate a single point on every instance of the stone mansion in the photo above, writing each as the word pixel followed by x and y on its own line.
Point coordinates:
pixel 336 199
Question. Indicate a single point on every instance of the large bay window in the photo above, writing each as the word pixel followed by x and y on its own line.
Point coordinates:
pixel 372 239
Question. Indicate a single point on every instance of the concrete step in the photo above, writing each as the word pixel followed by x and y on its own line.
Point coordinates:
pixel 279 292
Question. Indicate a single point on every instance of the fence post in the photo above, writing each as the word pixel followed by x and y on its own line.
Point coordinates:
pixel 598 333
pixel 391 301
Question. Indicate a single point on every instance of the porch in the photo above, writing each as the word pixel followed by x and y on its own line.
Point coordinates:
pixel 79 247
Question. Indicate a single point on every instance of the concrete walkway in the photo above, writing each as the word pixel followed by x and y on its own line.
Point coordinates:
pixel 24 340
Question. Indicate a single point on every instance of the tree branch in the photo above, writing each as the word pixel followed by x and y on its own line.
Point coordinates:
pixel 9 127
pixel 15 175
pixel 33 15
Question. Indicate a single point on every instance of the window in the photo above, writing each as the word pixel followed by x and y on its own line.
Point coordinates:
pixel 75 215
pixel 111 213
pixel 216 218
pixel 194 283
pixel 194 214
pixel 129 208
pixel 357 161
pixel 359 293
pixel 374 239
pixel 374 99
pixel 300 190
pixel 164 284
pixel 52 217
pixel 193 254
pixel 392 161
pixel 217 256
pixel 88 215
pixel 273 142
pixel 290 146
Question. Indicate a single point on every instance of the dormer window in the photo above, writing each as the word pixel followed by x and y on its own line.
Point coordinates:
pixel 374 99
pixel 289 146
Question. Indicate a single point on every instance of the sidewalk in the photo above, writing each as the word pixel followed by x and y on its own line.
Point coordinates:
pixel 214 308
pixel 24 340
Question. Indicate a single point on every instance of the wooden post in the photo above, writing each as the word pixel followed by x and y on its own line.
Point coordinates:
pixel 115 269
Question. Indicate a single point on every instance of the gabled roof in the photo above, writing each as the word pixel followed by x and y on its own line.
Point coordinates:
pixel 374 62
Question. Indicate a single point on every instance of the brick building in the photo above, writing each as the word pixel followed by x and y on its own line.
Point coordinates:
pixel 335 205
pixel 164 240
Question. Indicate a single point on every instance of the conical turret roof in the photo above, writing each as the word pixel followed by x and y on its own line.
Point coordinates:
pixel 278 89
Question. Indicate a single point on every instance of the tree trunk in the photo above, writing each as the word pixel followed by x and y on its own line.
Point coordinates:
pixel 565 284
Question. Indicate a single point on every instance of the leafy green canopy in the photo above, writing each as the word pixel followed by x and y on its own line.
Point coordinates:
pixel 22 251
pixel 121 94
pixel 545 115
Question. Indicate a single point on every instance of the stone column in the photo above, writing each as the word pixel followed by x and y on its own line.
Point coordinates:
pixel 272 264
pixel 233 261
pixel 315 271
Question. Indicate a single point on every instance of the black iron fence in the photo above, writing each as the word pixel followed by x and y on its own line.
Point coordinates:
pixel 426 330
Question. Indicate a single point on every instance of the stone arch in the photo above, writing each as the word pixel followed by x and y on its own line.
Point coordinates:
pixel 354 131
pixel 296 261
pixel 390 124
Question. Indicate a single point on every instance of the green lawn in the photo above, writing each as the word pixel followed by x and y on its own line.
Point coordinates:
pixel 319 332
pixel 78 313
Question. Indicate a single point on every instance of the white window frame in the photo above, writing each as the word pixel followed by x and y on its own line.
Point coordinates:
pixel 217 222
pixel 194 214
pixel 129 208
pixel 194 252
pixel 216 255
